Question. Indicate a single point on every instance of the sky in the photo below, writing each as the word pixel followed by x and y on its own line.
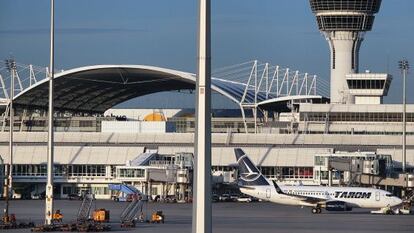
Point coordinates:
pixel 163 33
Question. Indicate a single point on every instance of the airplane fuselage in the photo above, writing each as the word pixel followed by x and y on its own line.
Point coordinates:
pixel 355 197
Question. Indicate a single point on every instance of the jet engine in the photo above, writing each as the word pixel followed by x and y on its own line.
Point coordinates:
pixel 337 206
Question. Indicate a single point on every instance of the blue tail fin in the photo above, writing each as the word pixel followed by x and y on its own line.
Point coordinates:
pixel 249 174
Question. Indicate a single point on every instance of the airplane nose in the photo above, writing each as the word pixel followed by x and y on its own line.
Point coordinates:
pixel 397 201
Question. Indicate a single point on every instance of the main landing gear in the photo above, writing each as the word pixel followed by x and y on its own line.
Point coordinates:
pixel 316 210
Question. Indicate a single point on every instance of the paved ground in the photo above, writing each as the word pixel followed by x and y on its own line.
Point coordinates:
pixel 233 218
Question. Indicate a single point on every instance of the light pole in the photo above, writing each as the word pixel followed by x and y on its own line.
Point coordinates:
pixel 404 66
pixel 202 147
pixel 49 184
pixel 11 67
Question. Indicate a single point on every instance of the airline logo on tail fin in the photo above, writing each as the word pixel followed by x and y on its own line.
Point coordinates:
pixel 249 173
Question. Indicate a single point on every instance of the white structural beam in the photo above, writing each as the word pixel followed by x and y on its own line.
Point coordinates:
pixel 3 87
pixel 32 76
pixel 275 76
pixel 304 84
pixel 202 180
pixel 264 77
pixel 49 184
pixel 244 119
pixel 252 75
pixel 294 82
pixel 19 82
pixel 285 79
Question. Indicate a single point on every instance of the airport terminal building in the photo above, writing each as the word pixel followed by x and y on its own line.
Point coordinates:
pixel 93 148
pixel 291 129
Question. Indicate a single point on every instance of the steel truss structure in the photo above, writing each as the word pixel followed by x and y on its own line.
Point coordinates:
pixel 26 76
pixel 250 85
pixel 271 83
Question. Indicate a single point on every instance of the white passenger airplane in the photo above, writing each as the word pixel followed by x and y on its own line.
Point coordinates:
pixel 253 183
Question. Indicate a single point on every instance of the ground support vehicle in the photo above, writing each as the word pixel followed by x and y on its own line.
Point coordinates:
pixel 9 222
pixel 157 217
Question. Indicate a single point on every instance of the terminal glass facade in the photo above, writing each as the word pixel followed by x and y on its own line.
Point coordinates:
pixel 356 116
pixel 131 173
pixel 86 170
pixel 278 172
pixel 59 170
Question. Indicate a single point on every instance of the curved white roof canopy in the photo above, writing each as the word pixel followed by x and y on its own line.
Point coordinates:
pixel 95 89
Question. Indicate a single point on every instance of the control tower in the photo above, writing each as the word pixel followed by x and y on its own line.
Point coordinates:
pixel 344 22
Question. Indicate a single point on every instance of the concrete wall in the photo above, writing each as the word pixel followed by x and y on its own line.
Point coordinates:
pixel 265 149
pixel 133 127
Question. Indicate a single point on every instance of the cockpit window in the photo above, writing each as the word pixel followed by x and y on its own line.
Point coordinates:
pixel 388 195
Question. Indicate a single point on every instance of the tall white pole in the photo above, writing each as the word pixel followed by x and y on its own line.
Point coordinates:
pixel 404 66
pixel 202 147
pixel 49 185
pixel 11 111
pixel 11 65
pixel 404 123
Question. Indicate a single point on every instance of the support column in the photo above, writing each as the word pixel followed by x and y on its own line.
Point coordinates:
pixel 330 177
pixel 202 147
pixel 11 142
pixel 6 194
pixel 49 185
pixel 244 119
pixel 150 189
pixel 108 171
pixel 182 192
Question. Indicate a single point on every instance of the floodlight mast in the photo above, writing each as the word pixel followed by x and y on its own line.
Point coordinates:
pixel 49 184
pixel 404 66
pixel 202 148
pixel 11 67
